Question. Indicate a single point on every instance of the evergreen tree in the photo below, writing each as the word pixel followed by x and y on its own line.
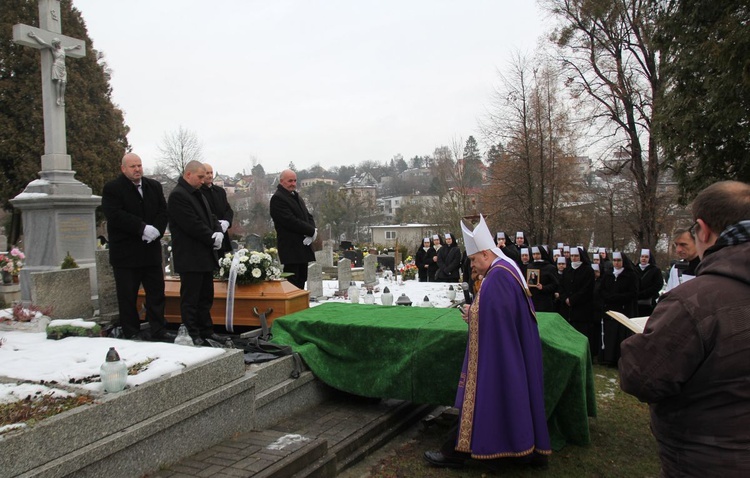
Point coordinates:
pixel 96 130
pixel 704 123
pixel 472 164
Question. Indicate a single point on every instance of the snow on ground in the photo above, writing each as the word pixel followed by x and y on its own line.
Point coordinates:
pixel 32 357
pixel 416 291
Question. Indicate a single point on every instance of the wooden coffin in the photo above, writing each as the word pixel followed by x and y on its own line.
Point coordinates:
pixel 280 295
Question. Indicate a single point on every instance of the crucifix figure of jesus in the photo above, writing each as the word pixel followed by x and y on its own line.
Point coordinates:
pixel 55 48
pixel 59 72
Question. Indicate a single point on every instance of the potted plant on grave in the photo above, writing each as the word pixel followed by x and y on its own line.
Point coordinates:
pixel 11 264
pixel 408 270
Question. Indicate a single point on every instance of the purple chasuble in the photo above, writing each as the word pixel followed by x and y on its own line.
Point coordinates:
pixel 501 390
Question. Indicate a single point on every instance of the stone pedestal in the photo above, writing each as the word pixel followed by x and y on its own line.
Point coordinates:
pixel 55 222
pixel 10 293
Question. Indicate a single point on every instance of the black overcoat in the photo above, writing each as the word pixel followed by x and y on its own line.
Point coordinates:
pixel 293 222
pixel 217 201
pixel 127 215
pixel 192 224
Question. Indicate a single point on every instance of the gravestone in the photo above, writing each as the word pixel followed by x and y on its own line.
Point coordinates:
pixel 109 311
pixel 57 210
pixel 254 242
pixel 3 241
pixel 66 291
pixel 370 265
pixel 345 274
pixel 315 280
pixel 387 262
pixel 325 256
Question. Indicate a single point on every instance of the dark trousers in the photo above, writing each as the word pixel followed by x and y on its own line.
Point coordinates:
pixel 196 299
pixel 127 283
pixel 300 274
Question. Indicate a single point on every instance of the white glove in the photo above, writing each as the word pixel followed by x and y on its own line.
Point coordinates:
pixel 224 225
pixel 307 240
pixel 315 235
pixel 217 237
pixel 150 233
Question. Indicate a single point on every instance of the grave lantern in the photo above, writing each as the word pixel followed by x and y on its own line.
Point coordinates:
pixel 113 372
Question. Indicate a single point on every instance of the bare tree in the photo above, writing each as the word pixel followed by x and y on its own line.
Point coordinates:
pixel 613 69
pixel 532 175
pixel 179 148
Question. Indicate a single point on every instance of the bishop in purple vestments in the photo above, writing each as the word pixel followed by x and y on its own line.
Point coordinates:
pixel 501 391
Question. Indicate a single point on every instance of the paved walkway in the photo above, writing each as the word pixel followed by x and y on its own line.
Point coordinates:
pixel 289 445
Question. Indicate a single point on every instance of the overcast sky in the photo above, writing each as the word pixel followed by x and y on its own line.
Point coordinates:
pixel 311 82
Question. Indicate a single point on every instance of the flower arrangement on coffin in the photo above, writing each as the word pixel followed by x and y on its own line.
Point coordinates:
pixel 12 262
pixel 408 271
pixel 253 266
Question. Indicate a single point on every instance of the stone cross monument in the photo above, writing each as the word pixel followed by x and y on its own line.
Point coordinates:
pixel 57 210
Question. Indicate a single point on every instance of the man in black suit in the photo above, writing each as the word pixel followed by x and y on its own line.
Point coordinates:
pixel 136 218
pixel 196 236
pixel 295 228
pixel 217 201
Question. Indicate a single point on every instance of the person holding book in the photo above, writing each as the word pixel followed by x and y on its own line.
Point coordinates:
pixel 691 363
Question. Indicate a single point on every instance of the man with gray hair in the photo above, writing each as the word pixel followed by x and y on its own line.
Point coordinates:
pixel 692 361
pixel 295 228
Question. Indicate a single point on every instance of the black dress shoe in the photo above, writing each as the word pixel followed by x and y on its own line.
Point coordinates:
pixel 436 458
pixel 215 337
pixel 165 336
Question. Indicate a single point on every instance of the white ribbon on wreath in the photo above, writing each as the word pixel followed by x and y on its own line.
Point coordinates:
pixel 229 316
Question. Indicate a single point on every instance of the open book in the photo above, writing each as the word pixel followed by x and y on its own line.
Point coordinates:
pixel 636 324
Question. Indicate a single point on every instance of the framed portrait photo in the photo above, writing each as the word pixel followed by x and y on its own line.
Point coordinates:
pixel 532 276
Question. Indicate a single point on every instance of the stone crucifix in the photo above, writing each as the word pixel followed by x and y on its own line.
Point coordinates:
pixel 56 47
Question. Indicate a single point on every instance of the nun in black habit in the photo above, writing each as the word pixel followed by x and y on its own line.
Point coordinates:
pixel 543 292
pixel 577 295
pixel 650 282
pixel 619 293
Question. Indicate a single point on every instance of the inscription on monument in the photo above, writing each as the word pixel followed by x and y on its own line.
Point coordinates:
pixel 73 235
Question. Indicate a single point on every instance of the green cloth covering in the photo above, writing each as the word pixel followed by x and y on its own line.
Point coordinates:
pixel 415 354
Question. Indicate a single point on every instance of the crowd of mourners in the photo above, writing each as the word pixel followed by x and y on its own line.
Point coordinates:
pixel 579 284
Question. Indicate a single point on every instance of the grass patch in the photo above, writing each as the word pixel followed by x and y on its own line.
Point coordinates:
pixel 34 408
pixel 621 445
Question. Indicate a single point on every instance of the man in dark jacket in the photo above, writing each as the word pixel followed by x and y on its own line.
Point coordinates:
pixel 196 236
pixel 136 218
pixel 217 201
pixel 691 361
pixel 295 228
